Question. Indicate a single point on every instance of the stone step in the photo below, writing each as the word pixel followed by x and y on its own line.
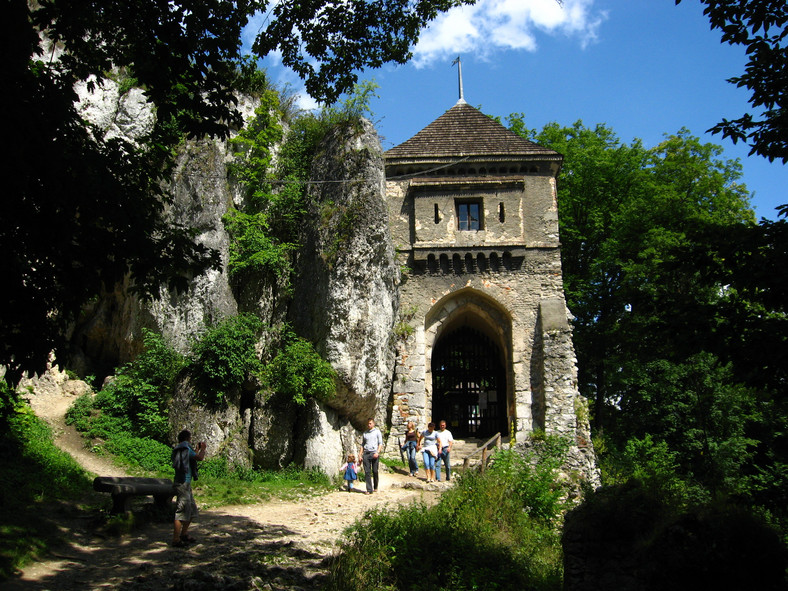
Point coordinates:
pixel 462 448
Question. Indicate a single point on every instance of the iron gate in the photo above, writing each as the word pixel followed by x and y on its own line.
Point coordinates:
pixel 469 384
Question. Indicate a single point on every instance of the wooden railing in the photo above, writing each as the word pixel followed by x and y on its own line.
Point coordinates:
pixel 484 450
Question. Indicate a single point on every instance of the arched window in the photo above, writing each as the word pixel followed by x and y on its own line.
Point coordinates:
pixel 456 263
pixel 481 263
pixel 469 263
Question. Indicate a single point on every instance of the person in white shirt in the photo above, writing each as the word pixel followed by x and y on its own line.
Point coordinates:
pixel 428 444
pixel 445 442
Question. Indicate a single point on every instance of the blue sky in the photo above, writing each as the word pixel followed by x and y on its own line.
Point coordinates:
pixel 642 67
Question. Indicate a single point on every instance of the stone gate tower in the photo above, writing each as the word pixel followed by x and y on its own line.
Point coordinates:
pixel 484 340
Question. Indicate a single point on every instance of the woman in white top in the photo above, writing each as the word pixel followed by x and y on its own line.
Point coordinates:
pixel 428 444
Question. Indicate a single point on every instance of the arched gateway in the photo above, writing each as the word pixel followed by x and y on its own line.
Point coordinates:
pixel 469 353
pixel 469 383
pixel 484 339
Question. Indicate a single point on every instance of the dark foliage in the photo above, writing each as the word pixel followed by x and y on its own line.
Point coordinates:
pixel 628 538
pixel 759 26
pixel 83 210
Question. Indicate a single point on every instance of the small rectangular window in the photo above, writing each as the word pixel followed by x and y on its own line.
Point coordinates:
pixel 469 215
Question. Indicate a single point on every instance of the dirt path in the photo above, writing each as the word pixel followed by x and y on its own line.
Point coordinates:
pixel 274 545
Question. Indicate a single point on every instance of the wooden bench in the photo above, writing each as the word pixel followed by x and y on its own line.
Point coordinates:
pixel 123 489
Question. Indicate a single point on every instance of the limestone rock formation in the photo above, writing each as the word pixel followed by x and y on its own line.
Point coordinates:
pixel 273 430
pixel 344 297
pixel 223 427
pixel 346 293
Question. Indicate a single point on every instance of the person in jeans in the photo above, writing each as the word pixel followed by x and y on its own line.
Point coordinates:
pixel 428 443
pixel 445 442
pixel 371 447
pixel 411 441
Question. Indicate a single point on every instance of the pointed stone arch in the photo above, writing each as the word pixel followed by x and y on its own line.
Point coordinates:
pixel 465 310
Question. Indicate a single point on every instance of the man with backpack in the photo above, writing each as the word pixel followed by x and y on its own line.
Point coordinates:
pixel 184 461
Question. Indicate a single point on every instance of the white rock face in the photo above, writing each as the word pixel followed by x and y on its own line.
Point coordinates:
pixel 110 332
pixel 328 439
pixel 201 196
pixel 346 296
pixel 345 293
pixel 126 115
pixel 53 383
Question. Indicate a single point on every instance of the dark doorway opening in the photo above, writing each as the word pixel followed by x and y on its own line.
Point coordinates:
pixel 469 384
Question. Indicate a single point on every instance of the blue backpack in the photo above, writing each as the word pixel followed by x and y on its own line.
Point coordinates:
pixel 183 464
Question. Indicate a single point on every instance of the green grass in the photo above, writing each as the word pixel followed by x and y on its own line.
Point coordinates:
pixel 37 478
pixel 39 481
pixel 220 484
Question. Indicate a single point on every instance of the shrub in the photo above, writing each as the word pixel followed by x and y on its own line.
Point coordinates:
pixel 481 535
pixel 146 453
pixel 130 415
pixel 139 395
pixel 631 536
pixel 264 234
pixel 254 249
pixel 226 356
pixel 530 479
pixel 299 372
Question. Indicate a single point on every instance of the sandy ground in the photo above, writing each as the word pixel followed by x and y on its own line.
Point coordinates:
pixel 272 545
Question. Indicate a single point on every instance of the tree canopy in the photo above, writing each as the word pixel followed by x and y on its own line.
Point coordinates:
pixel 761 26
pixel 84 210
pixel 680 316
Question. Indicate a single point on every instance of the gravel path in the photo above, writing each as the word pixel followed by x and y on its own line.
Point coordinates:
pixel 273 545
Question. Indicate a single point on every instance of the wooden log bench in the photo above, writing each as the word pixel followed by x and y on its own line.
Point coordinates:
pixel 123 489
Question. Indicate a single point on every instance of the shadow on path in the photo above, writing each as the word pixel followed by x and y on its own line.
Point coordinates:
pixel 231 552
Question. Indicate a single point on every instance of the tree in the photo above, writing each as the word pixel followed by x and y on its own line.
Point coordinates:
pixel 598 177
pixel 82 210
pixel 649 330
pixel 760 26
pixel 679 298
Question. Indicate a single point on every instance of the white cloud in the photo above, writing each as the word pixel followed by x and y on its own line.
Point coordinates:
pixel 491 25
pixel 480 30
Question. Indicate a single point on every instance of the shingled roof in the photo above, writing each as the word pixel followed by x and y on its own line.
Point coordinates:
pixel 464 131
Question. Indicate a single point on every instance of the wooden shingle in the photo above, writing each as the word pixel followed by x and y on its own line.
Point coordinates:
pixel 464 131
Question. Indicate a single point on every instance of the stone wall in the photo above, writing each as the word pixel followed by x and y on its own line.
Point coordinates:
pixel 507 299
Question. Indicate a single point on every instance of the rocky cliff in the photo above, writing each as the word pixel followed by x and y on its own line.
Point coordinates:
pixel 344 298
pixel 346 290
